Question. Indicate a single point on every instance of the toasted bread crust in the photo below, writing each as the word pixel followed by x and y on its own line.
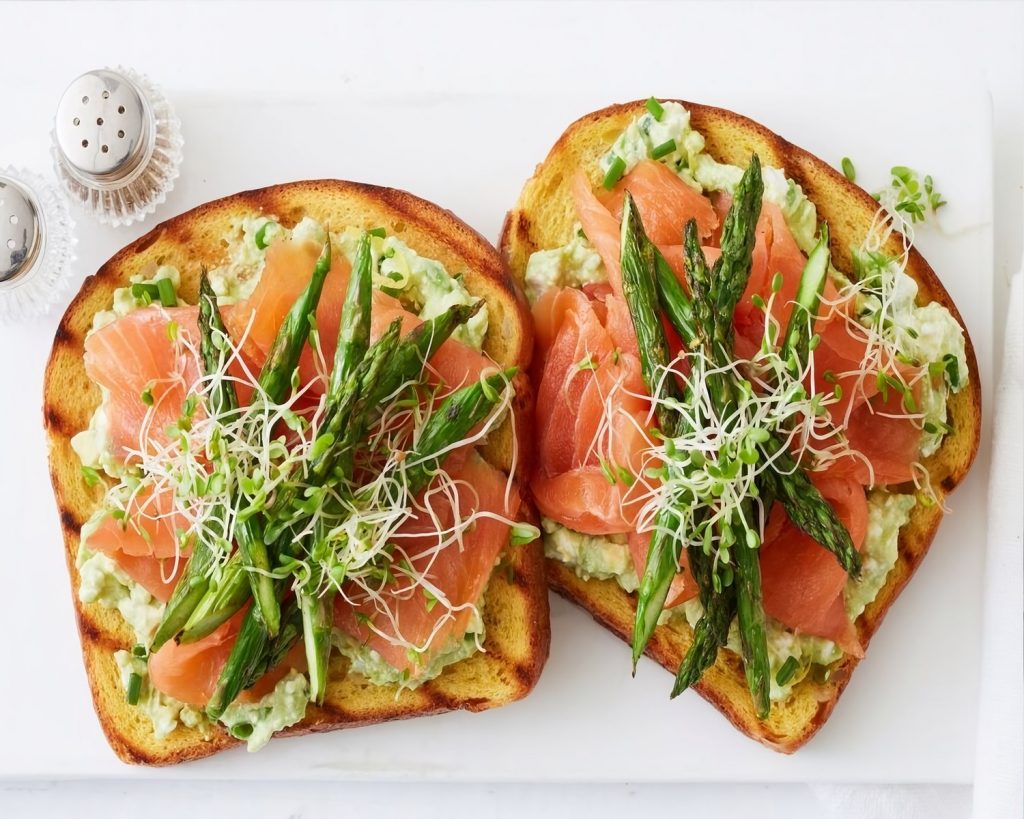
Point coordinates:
pixel 543 218
pixel 516 605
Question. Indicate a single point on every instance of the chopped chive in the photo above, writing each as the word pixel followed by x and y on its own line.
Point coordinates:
pixel 848 170
pixel 379 232
pixel 615 171
pixel 165 291
pixel 90 476
pixel 787 671
pixel 261 234
pixel 656 109
pixel 139 650
pixel 952 369
pixel 134 689
pixel 663 150
pixel 243 730
pixel 145 291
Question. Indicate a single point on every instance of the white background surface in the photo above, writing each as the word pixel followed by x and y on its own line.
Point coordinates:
pixel 242 76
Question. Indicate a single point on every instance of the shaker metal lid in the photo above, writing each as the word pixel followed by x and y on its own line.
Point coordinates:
pixel 103 124
pixel 20 229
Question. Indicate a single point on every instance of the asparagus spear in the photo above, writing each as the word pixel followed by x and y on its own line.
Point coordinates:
pixel 638 263
pixel 229 589
pixel 222 400
pixel 806 506
pixel 732 270
pixel 452 421
pixel 248 656
pixel 354 331
pixel 712 630
pixel 717 298
pixel 353 343
pixel 796 342
pixel 276 375
pixel 640 269
pixel 751 619
pixel 275 380
pixel 659 571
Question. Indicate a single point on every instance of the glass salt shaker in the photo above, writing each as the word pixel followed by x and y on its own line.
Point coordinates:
pixel 116 145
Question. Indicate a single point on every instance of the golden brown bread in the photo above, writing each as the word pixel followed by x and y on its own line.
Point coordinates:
pixel 516 606
pixel 543 218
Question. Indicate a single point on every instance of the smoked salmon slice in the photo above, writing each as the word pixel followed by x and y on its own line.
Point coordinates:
pixel 584 500
pixel 188 672
pixel 459 571
pixel 600 227
pixel 288 268
pixel 134 355
pixel 666 203
pixel 800 580
pixel 150 528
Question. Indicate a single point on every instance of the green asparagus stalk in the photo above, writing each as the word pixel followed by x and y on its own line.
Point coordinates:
pixel 638 263
pixel 452 421
pixel 712 630
pixel 419 346
pixel 732 270
pixel 354 331
pixel 807 507
pixel 694 321
pixel 796 342
pixel 659 571
pixel 276 375
pixel 715 295
pixel 353 342
pixel 640 271
pixel 751 618
pixel 247 658
pixel 317 621
pixel 275 380
pixel 228 591
pixel 195 580
pixel 675 301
